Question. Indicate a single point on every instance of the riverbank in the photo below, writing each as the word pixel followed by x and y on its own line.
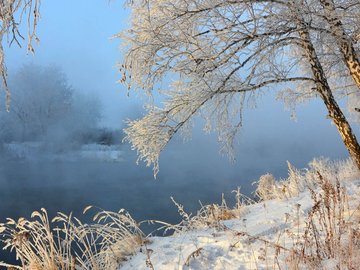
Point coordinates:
pixel 306 221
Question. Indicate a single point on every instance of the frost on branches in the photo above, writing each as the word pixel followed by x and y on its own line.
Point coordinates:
pixel 12 13
pixel 221 55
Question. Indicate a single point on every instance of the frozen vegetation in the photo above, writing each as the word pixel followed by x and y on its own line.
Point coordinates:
pixel 221 57
pixel 51 120
pixel 308 221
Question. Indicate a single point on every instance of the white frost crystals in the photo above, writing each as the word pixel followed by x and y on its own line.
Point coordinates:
pixel 147 138
pixel 12 13
pixel 222 55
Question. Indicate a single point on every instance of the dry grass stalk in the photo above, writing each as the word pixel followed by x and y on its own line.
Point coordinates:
pixel 193 255
pixel 330 235
pixel 209 215
pixel 65 243
pixel 269 188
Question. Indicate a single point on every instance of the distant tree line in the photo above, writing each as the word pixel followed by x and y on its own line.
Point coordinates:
pixel 46 108
pixel 221 56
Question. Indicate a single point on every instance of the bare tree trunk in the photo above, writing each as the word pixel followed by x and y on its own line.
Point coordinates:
pixel 325 93
pixel 344 42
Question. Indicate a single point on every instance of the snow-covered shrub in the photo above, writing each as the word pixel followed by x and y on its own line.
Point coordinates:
pixel 266 188
pixel 324 234
pixel 333 170
pixel 209 215
pixel 300 180
pixel 269 188
pixel 331 238
pixel 65 243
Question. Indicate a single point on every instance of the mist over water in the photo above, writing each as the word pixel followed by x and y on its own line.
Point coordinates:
pixel 190 171
pixel 70 186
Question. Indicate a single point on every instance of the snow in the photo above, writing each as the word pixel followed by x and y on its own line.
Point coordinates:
pixel 36 151
pixel 101 152
pixel 248 242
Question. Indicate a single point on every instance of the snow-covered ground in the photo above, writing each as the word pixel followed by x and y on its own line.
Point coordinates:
pixel 36 150
pixel 264 236
pixel 311 220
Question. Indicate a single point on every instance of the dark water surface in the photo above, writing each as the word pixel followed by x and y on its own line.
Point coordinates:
pixel 188 176
pixel 70 186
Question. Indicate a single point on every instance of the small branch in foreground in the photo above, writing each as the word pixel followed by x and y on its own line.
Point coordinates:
pixel 193 254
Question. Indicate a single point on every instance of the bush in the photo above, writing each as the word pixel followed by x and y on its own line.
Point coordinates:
pixel 300 180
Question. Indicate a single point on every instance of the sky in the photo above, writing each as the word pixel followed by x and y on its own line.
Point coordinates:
pixel 76 36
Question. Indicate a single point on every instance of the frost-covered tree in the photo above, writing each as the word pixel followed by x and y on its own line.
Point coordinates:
pixel 354 106
pixel 45 107
pixel 220 54
pixel 12 14
pixel 336 25
pixel 41 98
pixel 336 13
pixel 321 82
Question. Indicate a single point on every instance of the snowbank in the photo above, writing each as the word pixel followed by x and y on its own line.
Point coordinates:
pixel 311 220
pixel 310 230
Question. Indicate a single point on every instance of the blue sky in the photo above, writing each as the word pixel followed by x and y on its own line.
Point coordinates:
pixel 76 35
